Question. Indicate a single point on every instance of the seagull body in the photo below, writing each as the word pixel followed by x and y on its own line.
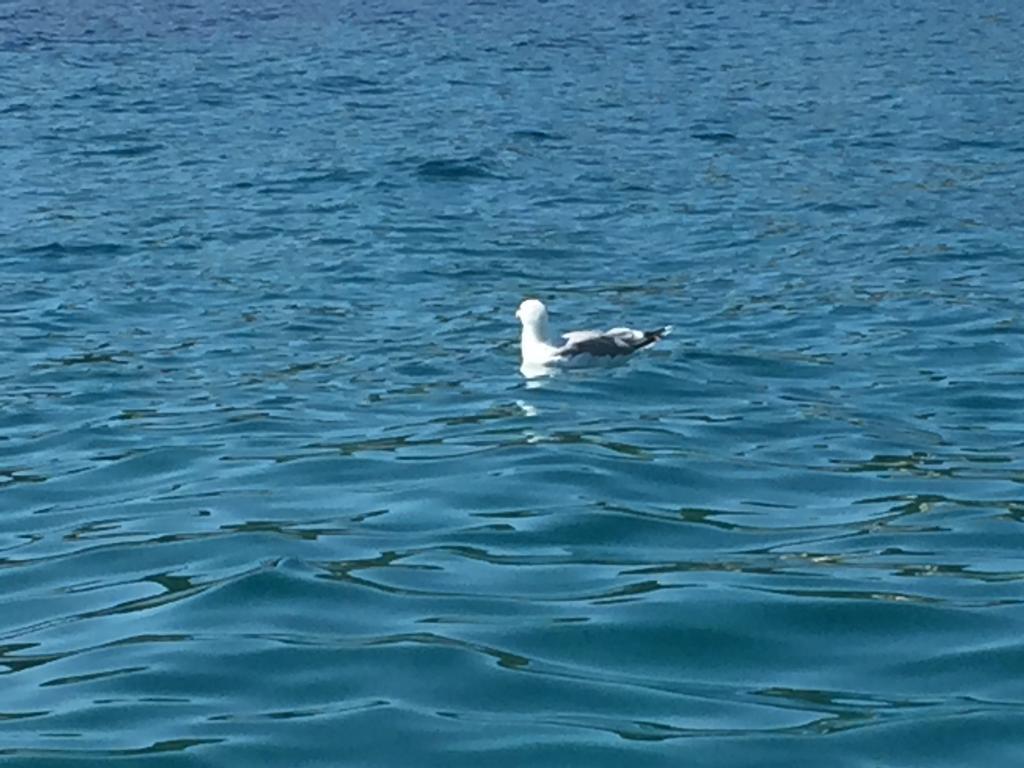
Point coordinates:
pixel 539 350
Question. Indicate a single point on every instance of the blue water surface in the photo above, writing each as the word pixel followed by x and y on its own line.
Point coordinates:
pixel 274 492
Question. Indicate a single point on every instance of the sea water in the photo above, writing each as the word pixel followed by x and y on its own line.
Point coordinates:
pixel 274 492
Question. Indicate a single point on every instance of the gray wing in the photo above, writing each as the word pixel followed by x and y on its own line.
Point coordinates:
pixel 613 343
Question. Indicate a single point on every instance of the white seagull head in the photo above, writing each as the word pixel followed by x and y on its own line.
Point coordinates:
pixel 534 317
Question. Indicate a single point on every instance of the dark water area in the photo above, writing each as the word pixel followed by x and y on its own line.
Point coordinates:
pixel 274 492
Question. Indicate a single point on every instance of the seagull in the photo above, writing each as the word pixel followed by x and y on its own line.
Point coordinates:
pixel 576 346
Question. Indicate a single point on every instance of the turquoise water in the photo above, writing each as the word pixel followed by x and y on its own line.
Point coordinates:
pixel 273 491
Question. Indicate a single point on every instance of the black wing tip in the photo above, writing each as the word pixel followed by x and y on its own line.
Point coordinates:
pixel 656 335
